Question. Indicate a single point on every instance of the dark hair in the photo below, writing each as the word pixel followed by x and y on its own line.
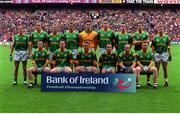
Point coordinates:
pixel 41 41
pixel 140 23
pixel 63 40
pixel 124 23
pixel 88 21
pixel 109 44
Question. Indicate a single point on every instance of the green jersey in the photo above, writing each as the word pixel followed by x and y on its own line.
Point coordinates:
pixel 161 44
pixel 140 37
pixel 72 40
pixel 122 40
pixel 21 42
pixel 105 37
pixel 127 59
pixel 35 37
pixel 54 41
pixel 62 59
pixel 86 59
pixel 108 60
pixel 144 58
pixel 40 57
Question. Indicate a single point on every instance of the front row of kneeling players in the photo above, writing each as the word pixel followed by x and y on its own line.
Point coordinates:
pixel 86 61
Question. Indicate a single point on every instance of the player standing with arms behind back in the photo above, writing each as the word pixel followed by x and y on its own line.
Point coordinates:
pixel 88 35
pixel 123 38
pixel 54 39
pixel 105 36
pixel 72 40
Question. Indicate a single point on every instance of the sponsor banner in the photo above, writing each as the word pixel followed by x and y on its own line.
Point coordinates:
pixel 138 1
pixel 110 1
pixel 55 1
pixel 167 1
pixel 88 82
pixel 6 1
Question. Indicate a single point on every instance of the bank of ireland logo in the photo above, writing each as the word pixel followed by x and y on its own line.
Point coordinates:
pixel 122 83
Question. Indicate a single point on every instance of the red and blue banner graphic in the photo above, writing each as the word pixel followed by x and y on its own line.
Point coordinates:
pixel 167 1
pixel 88 82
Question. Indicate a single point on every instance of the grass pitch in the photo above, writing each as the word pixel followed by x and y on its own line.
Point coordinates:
pixel 21 99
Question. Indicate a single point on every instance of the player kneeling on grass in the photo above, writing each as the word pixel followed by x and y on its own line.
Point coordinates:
pixel 127 60
pixel 108 60
pixel 40 60
pixel 145 64
pixel 62 59
pixel 86 60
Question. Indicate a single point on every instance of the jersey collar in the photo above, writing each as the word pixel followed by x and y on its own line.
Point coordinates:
pixel 141 33
pixel 39 32
pixel 61 51
pixel 107 29
pixel 40 50
pixel 124 33
pixel 162 35
pixel 21 35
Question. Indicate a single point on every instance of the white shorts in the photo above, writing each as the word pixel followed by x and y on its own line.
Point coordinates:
pixel 63 69
pixel 51 56
pixel 74 53
pixel 20 56
pixel 102 50
pixel 163 57
pixel 87 68
pixel 110 68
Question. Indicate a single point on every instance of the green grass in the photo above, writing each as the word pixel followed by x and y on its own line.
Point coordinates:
pixel 20 99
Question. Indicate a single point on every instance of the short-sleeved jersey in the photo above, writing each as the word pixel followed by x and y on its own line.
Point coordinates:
pixel 140 37
pixel 54 41
pixel 89 37
pixel 40 57
pixel 161 44
pixel 122 40
pixel 86 59
pixel 108 60
pixel 144 58
pixel 105 37
pixel 21 42
pixel 35 37
pixel 127 59
pixel 62 59
pixel 72 40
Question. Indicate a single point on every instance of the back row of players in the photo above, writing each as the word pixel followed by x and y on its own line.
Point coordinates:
pixel 76 52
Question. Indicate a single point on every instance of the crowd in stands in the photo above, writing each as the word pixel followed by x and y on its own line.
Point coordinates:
pixel 10 18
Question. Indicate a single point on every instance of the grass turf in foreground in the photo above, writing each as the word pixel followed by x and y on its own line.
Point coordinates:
pixel 20 99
